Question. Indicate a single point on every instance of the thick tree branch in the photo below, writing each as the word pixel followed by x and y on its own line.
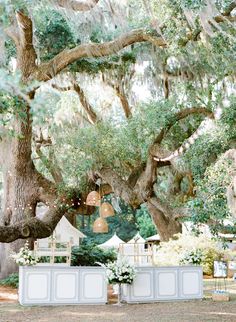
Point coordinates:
pixel 230 8
pixel 183 114
pixel 124 101
pixel 135 174
pixel 92 116
pixel 77 5
pixel 179 116
pixel 47 71
pixel 144 185
pixel 50 165
pixel 49 162
pixel 33 227
pixel 119 89
pixel 119 186
pixel 26 55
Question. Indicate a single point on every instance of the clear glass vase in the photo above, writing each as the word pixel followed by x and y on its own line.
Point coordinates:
pixel 118 296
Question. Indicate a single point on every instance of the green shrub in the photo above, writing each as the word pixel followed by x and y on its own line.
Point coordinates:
pixel 209 256
pixel 11 280
pixel 57 259
pixel 90 255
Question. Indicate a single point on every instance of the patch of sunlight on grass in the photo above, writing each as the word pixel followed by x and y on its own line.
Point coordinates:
pixel 8 296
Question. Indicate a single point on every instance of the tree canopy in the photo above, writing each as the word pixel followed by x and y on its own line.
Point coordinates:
pixel 136 95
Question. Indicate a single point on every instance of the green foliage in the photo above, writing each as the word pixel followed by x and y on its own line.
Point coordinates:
pixel 145 224
pixel 53 34
pixel 206 151
pixel 193 4
pixel 113 63
pixel 120 147
pixel 228 120
pixel 91 255
pixel 11 280
pixel 209 256
pixel 210 202
pixel 57 259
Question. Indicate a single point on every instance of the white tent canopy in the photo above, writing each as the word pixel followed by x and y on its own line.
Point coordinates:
pixel 154 238
pixel 137 239
pixel 65 232
pixel 114 242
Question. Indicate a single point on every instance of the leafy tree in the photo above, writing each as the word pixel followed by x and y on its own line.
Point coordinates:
pixel 191 62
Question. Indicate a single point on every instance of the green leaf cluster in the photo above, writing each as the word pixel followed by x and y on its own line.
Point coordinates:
pixel 91 255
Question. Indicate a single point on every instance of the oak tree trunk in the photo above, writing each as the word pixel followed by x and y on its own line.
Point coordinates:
pixel 21 184
pixel 166 225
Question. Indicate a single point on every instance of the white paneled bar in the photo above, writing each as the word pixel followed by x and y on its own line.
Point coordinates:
pixel 51 285
pixel 153 284
pixel 55 285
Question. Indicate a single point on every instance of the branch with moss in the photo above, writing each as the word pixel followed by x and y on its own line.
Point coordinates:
pixel 77 5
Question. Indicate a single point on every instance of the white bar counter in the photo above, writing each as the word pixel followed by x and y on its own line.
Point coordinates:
pixel 53 285
pixel 153 284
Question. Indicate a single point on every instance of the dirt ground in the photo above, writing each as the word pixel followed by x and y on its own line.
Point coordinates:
pixel 184 311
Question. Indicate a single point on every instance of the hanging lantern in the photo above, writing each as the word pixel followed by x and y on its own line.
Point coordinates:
pixel 93 199
pixel 106 210
pixel 100 225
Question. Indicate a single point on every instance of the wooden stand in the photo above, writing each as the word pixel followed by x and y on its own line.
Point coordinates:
pixel 137 253
pixel 220 297
pixel 220 274
pixel 53 250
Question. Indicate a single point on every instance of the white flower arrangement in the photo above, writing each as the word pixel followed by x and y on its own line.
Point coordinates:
pixel 25 256
pixel 194 257
pixel 119 272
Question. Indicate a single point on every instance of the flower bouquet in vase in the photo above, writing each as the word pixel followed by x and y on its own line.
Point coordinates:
pixel 119 272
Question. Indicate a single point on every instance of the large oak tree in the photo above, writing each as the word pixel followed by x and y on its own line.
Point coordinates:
pixel 25 187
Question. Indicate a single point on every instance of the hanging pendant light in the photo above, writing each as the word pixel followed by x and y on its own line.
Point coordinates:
pixel 106 210
pixel 100 225
pixel 93 199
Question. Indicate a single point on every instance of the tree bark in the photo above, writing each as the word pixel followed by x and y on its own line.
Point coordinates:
pixel 165 222
pixel 231 190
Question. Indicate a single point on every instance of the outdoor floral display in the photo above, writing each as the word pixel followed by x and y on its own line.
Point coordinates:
pixel 120 272
pixel 194 257
pixel 25 256
pixel 186 249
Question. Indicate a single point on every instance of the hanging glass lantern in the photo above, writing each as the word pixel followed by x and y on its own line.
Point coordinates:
pixel 100 225
pixel 106 210
pixel 93 199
